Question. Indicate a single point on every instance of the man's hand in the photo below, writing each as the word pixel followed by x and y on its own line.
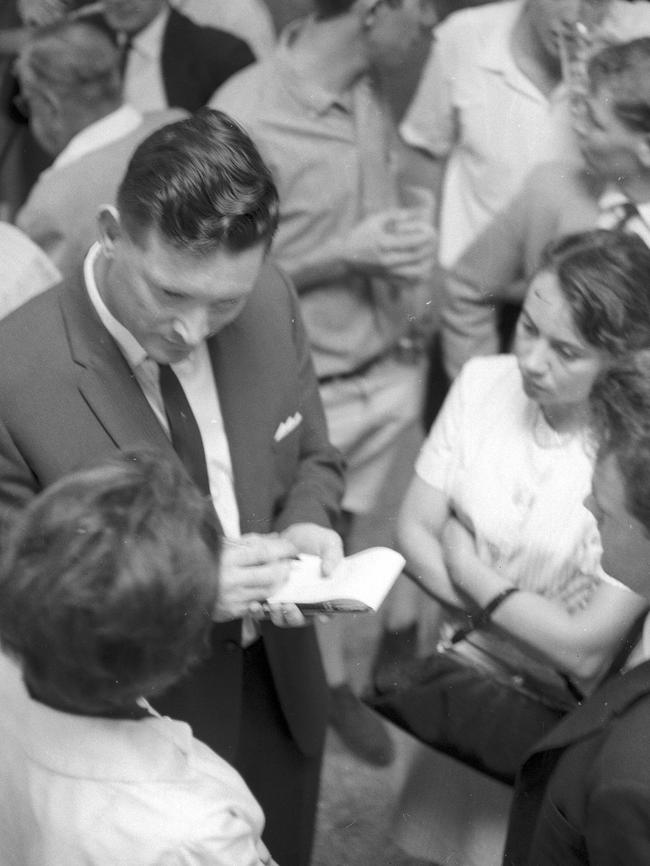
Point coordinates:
pixel 317 540
pixel 395 244
pixel 253 567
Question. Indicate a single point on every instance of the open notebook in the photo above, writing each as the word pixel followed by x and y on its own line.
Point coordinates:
pixel 359 583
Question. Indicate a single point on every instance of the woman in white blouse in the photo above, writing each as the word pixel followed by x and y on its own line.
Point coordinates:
pixel 496 499
pixel 494 512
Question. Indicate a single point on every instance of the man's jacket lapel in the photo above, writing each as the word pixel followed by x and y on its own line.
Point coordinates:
pixel 104 378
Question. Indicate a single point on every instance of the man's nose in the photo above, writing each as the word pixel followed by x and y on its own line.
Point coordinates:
pixel 193 326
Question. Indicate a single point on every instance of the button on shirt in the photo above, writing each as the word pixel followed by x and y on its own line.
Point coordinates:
pixel 197 379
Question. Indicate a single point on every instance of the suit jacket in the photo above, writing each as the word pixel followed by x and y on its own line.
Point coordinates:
pixel 557 198
pixel 583 793
pixel 60 214
pixel 197 60
pixel 68 397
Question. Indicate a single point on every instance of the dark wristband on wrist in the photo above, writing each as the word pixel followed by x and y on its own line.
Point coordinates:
pixel 484 615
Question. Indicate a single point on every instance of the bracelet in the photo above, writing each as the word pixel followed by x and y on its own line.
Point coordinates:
pixel 484 615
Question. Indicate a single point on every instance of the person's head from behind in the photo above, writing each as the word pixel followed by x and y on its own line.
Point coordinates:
pixel 131 16
pixel 69 78
pixel 614 126
pixel 588 304
pixel 108 584
pixel 196 213
pixel 390 29
pixel 620 497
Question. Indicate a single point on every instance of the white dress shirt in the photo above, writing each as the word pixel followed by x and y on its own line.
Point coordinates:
pixel 197 380
pixel 143 82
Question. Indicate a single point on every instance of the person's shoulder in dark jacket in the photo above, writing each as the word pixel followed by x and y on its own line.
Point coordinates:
pixel 196 60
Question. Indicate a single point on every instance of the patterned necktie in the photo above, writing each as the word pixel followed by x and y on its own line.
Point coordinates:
pixel 183 429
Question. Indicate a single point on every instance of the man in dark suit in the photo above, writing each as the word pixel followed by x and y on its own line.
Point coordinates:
pixel 177 330
pixel 168 59
pixel 583 793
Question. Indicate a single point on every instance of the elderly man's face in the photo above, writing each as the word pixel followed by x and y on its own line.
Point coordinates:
pixel 170 299
pixel 131 16
pixel 550 18
pixel 625 540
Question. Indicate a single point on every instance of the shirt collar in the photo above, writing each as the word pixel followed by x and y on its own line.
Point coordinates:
pixel 148 42
pixel 129 346
pixel 109 128
pixel 496 54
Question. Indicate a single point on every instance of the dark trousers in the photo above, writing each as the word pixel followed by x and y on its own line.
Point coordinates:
pixel 281 777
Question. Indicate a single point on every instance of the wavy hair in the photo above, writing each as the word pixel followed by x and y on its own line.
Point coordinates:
pixel 108 582
pixel 605 278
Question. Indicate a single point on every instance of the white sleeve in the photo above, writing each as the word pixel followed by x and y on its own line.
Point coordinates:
pixel 441 454
pixel 430 122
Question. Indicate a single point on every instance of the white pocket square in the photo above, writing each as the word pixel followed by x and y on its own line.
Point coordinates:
pixel 285 427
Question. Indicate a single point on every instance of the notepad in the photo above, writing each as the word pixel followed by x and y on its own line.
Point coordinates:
pixel 358 584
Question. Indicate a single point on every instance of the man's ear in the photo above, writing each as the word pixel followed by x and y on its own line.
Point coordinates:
pixel 109 229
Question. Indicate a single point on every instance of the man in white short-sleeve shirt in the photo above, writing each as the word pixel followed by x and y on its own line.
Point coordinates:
pixel 490 104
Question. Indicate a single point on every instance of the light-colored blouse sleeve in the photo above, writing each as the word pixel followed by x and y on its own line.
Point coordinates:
pixel 441 453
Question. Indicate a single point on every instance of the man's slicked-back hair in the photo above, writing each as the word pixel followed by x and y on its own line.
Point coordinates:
pixel 605 278
pixel 202 185
pixel 108 583
pixel 624 71
pixel 620 405
pixel 77 60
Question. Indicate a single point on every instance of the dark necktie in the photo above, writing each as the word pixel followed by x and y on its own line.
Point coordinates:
pixel 184 431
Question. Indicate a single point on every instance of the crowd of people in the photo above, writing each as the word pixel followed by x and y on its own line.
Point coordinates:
pixel 233 272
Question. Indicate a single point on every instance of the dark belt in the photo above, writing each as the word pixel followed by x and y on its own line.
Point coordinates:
pixel 407 351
